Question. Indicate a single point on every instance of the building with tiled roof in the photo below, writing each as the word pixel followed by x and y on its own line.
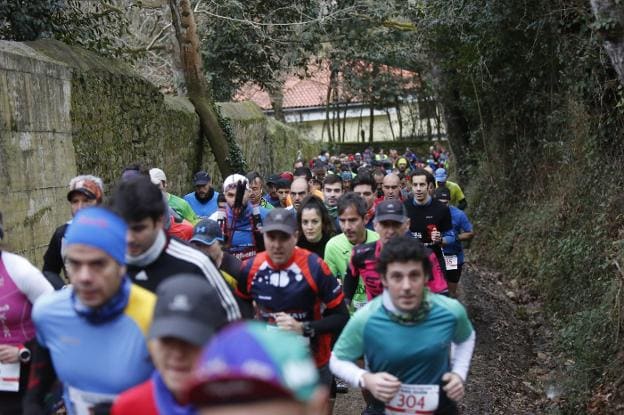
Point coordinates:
pixel 348 118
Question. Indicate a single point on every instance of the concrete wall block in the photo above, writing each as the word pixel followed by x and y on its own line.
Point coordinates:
pixel 18 57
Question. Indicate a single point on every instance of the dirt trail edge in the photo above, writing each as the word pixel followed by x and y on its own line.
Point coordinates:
pixel 510 369
pixel 509 373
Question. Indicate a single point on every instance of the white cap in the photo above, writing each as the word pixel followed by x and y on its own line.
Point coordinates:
pixel 157 176
pixel 233 179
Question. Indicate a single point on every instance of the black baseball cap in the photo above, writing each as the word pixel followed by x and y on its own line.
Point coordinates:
pixel 273 179
pixel 280 219
pixel 201 178
pixel 390 210
pixel 207 232
pixel 442 193
pixel 187 308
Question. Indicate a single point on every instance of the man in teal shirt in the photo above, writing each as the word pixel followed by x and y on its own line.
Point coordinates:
pixel 417 345
pixel 352 217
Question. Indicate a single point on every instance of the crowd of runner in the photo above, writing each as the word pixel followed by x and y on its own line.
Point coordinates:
pixel 267 295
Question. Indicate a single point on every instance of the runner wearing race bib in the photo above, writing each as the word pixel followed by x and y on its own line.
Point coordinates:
pixel 454 252
pixel 390 221
pixel 242 222
pixel 413 373
pixel 294 290
pixel 352 212
pixel 91 336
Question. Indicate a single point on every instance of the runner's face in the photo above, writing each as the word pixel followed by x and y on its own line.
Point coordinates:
pixel 214 251
pixel 312 225
pixel 388 229
pixel 352 225
pixel 365 191
pixel 279 246
pixel 202 190
pixel 405 282
pixel 256 191
pixel 332 193
pixel 230 196
pixel 420 188
pixel 93 273
pixel 391 187
pixel 79 201
pixel 298 191
pixel 283 195
pixel 142 234
pixel 174 359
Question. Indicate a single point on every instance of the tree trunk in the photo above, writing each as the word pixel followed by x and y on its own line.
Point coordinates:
pixel 399 117
pixel 371 125
pixel 228 156
pixel 328 112
pixel 457 128
pixel 276 95
pixel 610 21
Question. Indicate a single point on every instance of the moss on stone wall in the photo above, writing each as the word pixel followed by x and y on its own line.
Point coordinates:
pixel 65 111
pixel 119 118
pixel 269 146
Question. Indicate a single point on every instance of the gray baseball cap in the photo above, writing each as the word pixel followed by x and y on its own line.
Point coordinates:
pixel 280 219
pixel 207 232
pixel 392 210
pixel 187 308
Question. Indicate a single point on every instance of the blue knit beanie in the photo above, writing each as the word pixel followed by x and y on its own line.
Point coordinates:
pixel 99 228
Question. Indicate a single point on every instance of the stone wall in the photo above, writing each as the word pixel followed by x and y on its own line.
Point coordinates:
pixel 36 150
pixel 65 111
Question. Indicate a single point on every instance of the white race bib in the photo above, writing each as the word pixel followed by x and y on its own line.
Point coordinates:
pixel 451 262
pixel 414 399
pixel 84 401
pixel 9 377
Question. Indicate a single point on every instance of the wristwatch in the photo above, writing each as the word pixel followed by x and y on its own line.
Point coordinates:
pixel 24 355
pixel 308 330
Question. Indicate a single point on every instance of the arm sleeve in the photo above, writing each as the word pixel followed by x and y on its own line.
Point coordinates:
pixel 329 290
pixel 446 223
pixel 333 321
pixel 466 226
pixel 330 257
pixel 242 279
pixel 449 236
pixel 52 259
pixel 346 370
pixel 27 278
pixel 462 204
pixel 461 355
pixel 188 212
pixel 350 344
pixel 351 278
pixel 207 268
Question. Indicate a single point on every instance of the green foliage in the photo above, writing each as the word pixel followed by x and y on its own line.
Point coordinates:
pixel 92 25
pixel 235 158
pixel 544 112
pixel 257 41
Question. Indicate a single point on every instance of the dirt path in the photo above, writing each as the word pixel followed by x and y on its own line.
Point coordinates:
pixel 510 371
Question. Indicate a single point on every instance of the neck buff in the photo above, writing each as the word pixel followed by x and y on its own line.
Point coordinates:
pixel 333 211
pixel 206 199
pixel 107 311
pixel 165 401
pixel 151 254
pixel 400 317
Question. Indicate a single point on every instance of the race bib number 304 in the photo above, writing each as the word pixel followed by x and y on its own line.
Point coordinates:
pixel 414 399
